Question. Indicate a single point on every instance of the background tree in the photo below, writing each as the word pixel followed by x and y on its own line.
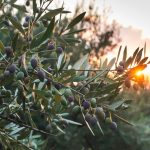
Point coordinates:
pixel 98 37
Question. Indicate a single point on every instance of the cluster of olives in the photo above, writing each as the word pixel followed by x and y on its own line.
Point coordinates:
pixel 16 72
pixel 83 89
pixel 40 73
pixel 34 63
pixel 69 95
pixel 51 46
pixel 128 84
pixel 12 70
pixel 93 114
pixel 26 22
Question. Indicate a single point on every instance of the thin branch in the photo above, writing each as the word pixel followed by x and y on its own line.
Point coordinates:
pixel 25 125
pixel 15 140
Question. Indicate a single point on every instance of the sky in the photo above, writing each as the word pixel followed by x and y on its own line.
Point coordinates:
pixel 135 13
pixel 132 15
pixel 127 12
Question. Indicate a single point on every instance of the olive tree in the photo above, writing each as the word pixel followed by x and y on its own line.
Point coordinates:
pixel 40 95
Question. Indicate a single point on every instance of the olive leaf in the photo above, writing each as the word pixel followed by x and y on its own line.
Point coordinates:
pixel 125 54
pixel 34 7
pixel 14 41
pixel 76 20
pixel 49 31
pixel 143 60
pixel 139 56
pixel 118 55
pixel 51 14
pixel 111 63
pixel 17 25
pixel 19 7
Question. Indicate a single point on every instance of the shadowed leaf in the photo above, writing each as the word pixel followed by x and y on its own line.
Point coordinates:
pixel 76 20
pixel 16 24
pixel 125 54
pixel 52 13
pixel 143 60
pixel 19 7
pixel 111 63
pixel 139 56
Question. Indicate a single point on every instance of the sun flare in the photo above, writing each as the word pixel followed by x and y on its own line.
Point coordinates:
pixel 145 72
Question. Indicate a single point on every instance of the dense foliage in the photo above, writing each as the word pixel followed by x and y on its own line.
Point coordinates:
pixel 41 96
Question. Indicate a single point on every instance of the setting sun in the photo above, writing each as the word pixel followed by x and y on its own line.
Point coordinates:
pixel 139 73
pixel 145 72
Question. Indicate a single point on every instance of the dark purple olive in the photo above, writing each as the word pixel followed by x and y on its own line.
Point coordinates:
pixel 70 98
pixel 50 46
pixel 34 63
pixel 49 69
pixel 88 117
pixel 120 69
pixel 27 18
pixel 6 23
pixel 113 126
pixel 41 75
pixel 9 51
pixel 59 50
pixel 25 24
pixel 45 22
pixel 27 3
pixel 6 73
pixel 15 17
pixel 49 81
pixel 127 83
pixel 57 86
pixel 93 121
pixel 122 63
pixel 12 68
pixel 86 104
